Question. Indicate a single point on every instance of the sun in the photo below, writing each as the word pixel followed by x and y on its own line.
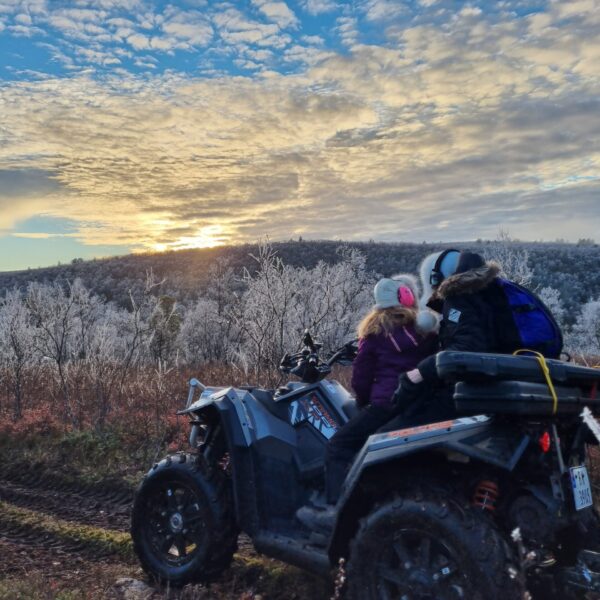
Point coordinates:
pixel 209 236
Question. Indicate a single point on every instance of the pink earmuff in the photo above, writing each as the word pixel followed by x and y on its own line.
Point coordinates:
pixel 405 296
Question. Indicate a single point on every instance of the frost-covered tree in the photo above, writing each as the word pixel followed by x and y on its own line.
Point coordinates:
pixel 281 301
pixel 104 362
pixel 331 299
pixel 52 311
pixel 137 328
pixel 512 258
pixel 551 298
pixel 165 323
pixel 17 349
pixel 207 333
pixel 584 338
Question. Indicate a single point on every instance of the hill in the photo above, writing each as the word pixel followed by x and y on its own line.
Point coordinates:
pixel 570 268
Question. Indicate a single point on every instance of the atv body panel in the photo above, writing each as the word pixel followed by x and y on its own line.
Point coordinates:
pixel 471 437
pixel 276 445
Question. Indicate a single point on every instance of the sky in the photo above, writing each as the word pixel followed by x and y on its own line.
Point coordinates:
pixel 143 125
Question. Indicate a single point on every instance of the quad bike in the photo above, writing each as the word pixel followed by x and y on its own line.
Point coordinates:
pixel 489 505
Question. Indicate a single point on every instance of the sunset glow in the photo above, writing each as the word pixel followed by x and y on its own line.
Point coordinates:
pixel 134 125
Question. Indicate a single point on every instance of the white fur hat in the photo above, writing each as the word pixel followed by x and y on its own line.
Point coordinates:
pixel 427 321
pixel 447 268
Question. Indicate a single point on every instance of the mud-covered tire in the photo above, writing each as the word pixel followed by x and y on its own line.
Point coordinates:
pixel 183 525
pixel 423 546
pixel 550 583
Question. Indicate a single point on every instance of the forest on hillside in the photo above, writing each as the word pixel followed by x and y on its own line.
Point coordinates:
pixel 571 269
pixel 244 307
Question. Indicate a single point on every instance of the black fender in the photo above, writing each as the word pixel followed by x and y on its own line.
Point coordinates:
pixel 477 438
pixel 236 424
pixel 253 428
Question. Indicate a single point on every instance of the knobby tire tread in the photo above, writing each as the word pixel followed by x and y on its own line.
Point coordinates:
pixel 494 560
pixel 215 487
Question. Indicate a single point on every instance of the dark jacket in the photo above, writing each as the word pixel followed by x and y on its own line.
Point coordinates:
pixel 468 302
pixel 382 357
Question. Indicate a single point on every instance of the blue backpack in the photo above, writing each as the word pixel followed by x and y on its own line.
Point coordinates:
pixel 526 322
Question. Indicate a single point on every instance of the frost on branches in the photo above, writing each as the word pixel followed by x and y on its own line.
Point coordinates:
pixel 513 259
pixel 86 350
pixel 281 301
pixel 584 338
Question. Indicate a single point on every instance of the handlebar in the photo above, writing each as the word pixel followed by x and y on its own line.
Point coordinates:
pixel 308 366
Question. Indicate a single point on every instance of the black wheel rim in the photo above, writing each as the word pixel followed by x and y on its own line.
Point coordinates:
pixel 175 524
pixel 417 565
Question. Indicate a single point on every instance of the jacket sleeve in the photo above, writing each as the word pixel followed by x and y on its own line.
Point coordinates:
pixel 465 324
pixel 465 328
pixel 363 368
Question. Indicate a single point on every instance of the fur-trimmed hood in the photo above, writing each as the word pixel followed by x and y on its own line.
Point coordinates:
pixel 469 282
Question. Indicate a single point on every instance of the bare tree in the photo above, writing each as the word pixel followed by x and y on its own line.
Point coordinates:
pixel 52 311
pixel 281 301
pixel 512 258
pixel 551 298
pixel 17 348
pixel 584 338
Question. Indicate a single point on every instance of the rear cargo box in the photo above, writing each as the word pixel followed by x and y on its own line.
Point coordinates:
pixel 518 398
pixel 476 366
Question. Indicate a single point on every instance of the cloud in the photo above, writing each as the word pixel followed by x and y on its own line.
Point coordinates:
pixel 378 10
pixel 305 54
pixel 25 30
pixel 23 19
pixel 278 12
pixel 434 132
pixel 234 28
pixel 347 29
pixel 139 41
pixel 34 235
pixel 317 7
pixel 190 27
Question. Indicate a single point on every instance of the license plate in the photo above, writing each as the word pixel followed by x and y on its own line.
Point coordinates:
pixel 582 492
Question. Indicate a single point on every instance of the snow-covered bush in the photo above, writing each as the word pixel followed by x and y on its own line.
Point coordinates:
pixel 584 338
pixel 512 258
pixel 281 301
pixel 17 349
pixel 551 298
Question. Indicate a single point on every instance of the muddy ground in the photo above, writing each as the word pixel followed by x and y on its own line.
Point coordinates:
pixel 65 540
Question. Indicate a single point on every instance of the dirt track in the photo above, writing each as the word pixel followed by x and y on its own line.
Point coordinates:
pixel 58 536
pixel 109 512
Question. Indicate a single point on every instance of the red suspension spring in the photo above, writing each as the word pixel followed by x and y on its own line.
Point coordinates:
pixel 486 495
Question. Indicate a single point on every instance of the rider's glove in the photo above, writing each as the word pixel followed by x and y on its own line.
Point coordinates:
pixel 405 393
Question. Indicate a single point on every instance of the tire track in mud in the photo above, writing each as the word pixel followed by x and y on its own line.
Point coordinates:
pixel 68 506
pixel 24 527
pixel 102 505
pixel 57 524
pixel 55 530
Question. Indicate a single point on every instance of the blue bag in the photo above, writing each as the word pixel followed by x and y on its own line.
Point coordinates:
pixel 528 323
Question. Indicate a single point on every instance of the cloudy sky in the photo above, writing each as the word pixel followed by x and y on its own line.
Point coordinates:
pixel 132 125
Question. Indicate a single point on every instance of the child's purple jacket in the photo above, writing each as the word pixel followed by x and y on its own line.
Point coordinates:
pixel 382 357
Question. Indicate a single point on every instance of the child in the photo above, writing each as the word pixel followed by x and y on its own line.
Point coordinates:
pixel 393 338
pixel 391 341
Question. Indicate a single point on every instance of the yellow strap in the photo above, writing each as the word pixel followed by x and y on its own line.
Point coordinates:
pixel 546 371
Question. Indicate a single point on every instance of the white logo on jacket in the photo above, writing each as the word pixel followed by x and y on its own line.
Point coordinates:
pixel 454 315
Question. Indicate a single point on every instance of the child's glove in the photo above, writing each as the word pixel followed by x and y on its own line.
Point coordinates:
pixel 405 393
